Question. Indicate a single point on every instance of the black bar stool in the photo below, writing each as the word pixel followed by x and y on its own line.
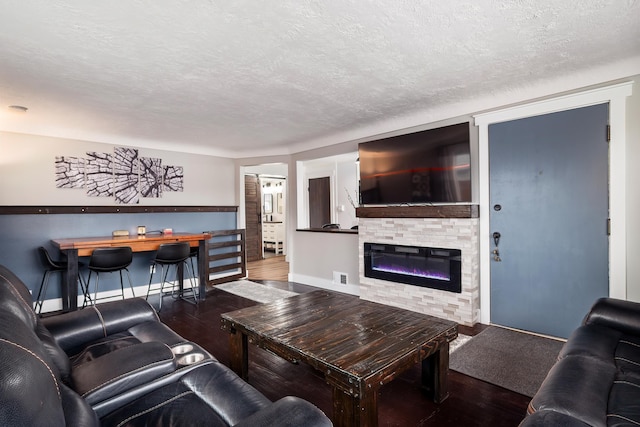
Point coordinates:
pixel 167 255
pixel 52 266
pixel 109 260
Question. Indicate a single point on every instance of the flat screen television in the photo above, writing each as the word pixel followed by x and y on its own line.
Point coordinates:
pixel 426 167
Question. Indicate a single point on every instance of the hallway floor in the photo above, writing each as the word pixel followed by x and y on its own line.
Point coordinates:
pixel 274 267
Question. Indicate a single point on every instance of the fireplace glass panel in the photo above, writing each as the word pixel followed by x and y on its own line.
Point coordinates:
pixel 412 265
pixel 435 268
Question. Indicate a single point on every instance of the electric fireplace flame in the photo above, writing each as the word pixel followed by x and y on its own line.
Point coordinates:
pixel 435 268
pixel 416 273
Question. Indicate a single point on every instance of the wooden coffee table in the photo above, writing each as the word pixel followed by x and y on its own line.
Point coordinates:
pixel 358 345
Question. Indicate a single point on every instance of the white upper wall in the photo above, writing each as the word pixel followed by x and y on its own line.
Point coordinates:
pixel 27 174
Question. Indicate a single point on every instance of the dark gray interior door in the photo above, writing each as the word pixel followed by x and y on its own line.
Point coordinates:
pixel 319 202
pixel 549 210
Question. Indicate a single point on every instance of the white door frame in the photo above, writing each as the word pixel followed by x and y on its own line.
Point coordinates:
pixel 616 96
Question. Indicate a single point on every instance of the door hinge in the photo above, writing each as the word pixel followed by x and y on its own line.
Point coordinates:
pixel 608 226
pixel 608 133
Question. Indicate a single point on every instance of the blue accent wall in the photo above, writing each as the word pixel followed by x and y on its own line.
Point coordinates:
pixel 22 234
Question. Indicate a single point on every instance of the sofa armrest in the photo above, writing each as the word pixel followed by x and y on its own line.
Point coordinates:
pixel 620 315
pixel 288 411
pixel 75 408
pixel 578 386
pixel 76 328
pixel 121 370
pixel 551 418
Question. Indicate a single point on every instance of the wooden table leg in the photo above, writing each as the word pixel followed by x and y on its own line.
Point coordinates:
pixel 435 374
pixel 70 282
pixel 180 279
pixel 238 346
pixel 349 410
pixel 203 268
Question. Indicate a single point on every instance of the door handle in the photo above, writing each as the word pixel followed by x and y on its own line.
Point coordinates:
pixel 496 251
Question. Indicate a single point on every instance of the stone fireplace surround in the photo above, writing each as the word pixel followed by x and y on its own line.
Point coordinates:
pixel 453 233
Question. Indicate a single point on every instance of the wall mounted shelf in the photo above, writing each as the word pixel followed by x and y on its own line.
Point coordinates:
pixel 34 210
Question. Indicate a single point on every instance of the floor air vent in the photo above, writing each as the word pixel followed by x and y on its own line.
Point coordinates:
pixel 340 278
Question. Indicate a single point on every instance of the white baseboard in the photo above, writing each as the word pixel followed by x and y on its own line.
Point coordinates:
pixel 325 284
pixel 139 291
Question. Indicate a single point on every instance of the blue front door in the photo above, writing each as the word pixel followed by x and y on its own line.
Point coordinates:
pixel 549 210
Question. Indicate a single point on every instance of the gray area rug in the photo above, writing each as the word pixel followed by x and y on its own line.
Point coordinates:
pixel 513 360
pixel 255 291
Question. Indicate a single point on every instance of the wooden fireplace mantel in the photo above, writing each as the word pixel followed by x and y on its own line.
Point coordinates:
pixel 425 211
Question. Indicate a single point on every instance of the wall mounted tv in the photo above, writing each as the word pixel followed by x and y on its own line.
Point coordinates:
pixel 427 167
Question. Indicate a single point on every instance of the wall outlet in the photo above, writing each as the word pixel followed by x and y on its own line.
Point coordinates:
pixel 340 278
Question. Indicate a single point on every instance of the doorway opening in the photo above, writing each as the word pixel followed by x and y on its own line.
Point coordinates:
pixel 263 211
pixel 327 191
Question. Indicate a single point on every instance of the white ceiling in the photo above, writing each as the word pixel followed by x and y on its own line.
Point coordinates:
pixel 273 77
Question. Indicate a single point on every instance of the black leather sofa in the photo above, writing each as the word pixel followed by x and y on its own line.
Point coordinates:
pixel 116 364
pixel 596 380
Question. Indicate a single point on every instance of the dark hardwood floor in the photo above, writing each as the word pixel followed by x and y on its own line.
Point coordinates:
pixel 471 402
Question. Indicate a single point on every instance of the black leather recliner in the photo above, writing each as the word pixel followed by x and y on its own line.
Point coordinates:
pixel 117 364
pixel 596 380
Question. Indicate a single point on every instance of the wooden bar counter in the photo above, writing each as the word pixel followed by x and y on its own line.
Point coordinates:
pixel 84 246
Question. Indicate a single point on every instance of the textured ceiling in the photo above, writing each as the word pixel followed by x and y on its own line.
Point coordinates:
pixel 240 77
